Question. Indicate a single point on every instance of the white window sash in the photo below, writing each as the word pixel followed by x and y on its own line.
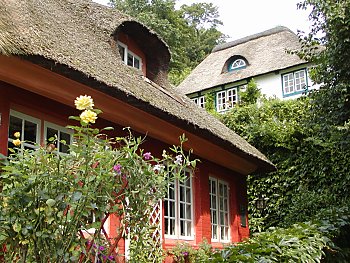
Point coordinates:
pixel 126 52
pixel 218 211
pixel 294 82
pixel 226 99
pixel 176 201
pixel 60 129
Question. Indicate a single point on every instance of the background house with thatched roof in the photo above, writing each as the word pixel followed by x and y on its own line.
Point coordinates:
pixel 53 51
pixel 265 57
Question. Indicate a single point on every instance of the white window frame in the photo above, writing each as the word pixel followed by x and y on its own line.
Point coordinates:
pixel 25 117
pixel 292 82
pixel 177 202
pixel 238 64
pixel 218 211
pixel 199 101
pixel 224 100
pixel 59 129
pixel 125 58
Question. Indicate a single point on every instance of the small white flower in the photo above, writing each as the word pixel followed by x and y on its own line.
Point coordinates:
pixel 158 167
pixel 178 160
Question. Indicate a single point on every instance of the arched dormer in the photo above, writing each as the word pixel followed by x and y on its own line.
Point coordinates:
pixel 138 47
pixel 235 63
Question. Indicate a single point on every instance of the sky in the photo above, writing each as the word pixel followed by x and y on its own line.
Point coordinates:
pixel 246 17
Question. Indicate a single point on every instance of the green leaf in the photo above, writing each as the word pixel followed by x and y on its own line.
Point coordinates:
pixel 50 202
pixel 77 196
pixel 17 227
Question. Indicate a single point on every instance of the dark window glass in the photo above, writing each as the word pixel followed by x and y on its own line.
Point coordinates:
pixel 136 63
pixel 130 60
pixel 65 137
pixel 15 126
pixel 30 130
pixel 121 52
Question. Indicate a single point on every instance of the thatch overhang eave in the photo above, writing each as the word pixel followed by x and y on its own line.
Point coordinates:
pixel 263 164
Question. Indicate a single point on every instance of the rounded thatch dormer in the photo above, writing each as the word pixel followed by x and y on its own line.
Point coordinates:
pixel 235 62
pixel 143 49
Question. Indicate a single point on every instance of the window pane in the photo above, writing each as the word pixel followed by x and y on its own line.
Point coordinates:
pixel 182 211
pixel 130 60
pixel 15 126
pixel 182 228
pixel 189 228
pixel 214 234
pixel 188 195
pixel 64 146
pixel 172 227
pixel 136 63
pixel 51 133
pixel 172 209
pixel 30 130
pixel 182 194
pixel 188 212
pixel 122 52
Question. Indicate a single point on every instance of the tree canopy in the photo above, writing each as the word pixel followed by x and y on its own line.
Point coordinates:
pixel 191 31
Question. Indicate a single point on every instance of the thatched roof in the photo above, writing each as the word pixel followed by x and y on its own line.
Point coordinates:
pixel 265 52
pixel 75 38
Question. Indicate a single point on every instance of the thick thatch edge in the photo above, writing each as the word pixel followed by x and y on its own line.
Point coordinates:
pixel 265 33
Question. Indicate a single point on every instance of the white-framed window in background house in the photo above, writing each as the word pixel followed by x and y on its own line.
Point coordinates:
pixel 128 57
pixel 226 99
pixel 219 210
pixel 61 135
pixel 27 126
pixel 294 82
pixel 199 101
pixel 178 209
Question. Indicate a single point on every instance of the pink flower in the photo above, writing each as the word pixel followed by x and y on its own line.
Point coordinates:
pixel 101 248
pixel 147 155
pixel 117 168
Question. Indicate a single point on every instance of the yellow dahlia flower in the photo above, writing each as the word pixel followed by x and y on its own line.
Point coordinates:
pixel 88 116
pixel 84 102
pixel 17 134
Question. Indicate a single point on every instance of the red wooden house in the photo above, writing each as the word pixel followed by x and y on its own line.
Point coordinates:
pixel 53 51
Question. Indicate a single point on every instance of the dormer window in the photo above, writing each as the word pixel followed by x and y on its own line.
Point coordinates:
pixel 128 57
pixel 237 64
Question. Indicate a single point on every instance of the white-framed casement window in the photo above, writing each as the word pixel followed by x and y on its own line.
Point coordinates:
pixel 219 210
pixel 62 137
pixel 294 82
pixel 28 127
pixel 128 57
pixel 200 101
pixel 178 209
pixel 226 99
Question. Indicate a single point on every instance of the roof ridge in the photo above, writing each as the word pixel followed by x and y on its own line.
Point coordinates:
pixel 239 41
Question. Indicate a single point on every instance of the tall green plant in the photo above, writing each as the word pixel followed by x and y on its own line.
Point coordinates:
pixel 47 198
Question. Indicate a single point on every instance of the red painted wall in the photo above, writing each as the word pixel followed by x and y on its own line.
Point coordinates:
pixel 4 117
pixel 46 109
pixel 134 48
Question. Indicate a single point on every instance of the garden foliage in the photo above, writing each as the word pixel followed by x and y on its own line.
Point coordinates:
pixel 53 206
